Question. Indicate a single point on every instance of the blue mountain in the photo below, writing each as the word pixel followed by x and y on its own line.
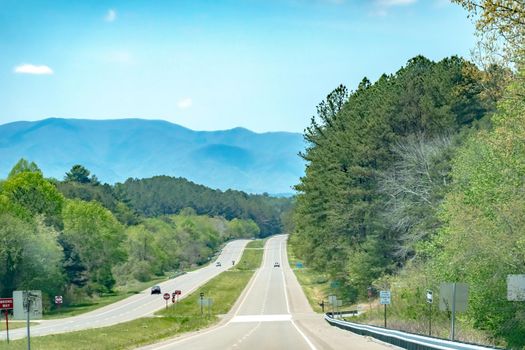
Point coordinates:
pixel 115 150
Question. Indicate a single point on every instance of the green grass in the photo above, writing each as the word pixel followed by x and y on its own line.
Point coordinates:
pixel 15 324
pixel 316 286
pixel 224 289
pixel 259 243
pixel 101 301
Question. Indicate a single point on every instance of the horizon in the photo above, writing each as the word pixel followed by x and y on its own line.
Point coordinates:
pixel 149 120
pixel 207 65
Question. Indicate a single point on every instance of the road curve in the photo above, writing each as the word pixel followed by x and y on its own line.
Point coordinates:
pixel 139 305
pixel 272 313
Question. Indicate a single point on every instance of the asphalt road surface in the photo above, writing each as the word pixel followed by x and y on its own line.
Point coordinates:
pixel 272 313
pixel 139 305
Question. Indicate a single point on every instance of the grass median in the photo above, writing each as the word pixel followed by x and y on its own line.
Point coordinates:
pixel 183 317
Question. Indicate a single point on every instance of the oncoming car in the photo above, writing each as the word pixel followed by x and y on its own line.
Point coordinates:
pixel 218 264
pixel 276 264
pixel 155 290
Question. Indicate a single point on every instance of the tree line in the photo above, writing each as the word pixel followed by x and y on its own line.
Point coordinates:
pixel 417 179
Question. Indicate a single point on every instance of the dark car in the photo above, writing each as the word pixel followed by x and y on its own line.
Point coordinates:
pixel 276 264
pixel 155 290
pixel 218 264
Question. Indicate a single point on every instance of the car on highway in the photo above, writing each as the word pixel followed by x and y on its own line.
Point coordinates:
pixel 155 290
pixel 218 264
pixel 276 264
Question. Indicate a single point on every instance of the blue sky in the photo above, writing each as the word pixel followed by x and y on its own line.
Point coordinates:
pixel 207 65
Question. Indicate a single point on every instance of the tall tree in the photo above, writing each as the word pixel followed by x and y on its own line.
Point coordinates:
pixel 79 174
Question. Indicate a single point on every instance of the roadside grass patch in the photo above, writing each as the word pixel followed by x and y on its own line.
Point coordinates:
pixel 15 324
pixel 183 317
pixel 101 301
pixel 316 286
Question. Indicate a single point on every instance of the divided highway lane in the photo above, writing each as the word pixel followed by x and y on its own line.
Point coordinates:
pixel 139 305
pixel 272 313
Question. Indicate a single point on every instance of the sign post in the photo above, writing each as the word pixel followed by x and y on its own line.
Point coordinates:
pixel 6 304
pixel 332 299
pixel 58 301
pixel 384 299
pixel 201 294
pixel 430 299
pixel 166 297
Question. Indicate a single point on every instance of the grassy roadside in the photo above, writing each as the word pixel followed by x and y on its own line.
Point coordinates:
pixel 15 324
pixel 316 286
pixel 225 289
pixel 96 303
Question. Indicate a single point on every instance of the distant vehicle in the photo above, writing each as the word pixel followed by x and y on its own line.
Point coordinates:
pixel 218 264
pixel 155 290
pixel 276 264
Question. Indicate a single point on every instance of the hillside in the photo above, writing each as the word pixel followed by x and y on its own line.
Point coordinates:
pixel 115 150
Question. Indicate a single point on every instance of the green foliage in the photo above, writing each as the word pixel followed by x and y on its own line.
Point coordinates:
pixel 29 256
pixel 23 166
pixel 104 194
pixel 79 174
pixel 163 195
pixel 95 234
pixel 29 190
pixel 356 157
pixel 483 238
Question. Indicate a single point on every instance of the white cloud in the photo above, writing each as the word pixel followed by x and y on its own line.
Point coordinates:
pixel 32 69
pixel 111 15
pixel 185 103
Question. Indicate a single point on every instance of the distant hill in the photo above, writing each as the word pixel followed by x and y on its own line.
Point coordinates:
pixel 115 150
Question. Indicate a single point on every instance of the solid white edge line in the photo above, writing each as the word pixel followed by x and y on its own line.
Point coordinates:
pixel 310 344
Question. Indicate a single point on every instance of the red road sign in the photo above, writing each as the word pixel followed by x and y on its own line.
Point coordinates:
pixel 166 296
pixel 58 299
pixel 178 292
pixel 6 303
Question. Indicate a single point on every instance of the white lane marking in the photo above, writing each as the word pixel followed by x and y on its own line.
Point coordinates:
pixel 285 263
pixel 245 336
pixel 261 318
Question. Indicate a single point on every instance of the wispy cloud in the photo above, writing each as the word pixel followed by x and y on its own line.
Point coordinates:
pixel 185 103
pixel 32 69
pixel 111 15
pixel 382 6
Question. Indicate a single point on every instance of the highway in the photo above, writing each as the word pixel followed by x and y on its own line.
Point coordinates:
pixel 272 313
pixel 139 305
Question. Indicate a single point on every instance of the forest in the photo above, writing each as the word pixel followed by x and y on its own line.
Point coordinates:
pixel 418 178
pixel 80 238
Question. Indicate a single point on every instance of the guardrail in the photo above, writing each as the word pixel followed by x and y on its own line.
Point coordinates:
pixel 403 339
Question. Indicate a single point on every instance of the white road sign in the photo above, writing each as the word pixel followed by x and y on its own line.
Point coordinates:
pixel 384 297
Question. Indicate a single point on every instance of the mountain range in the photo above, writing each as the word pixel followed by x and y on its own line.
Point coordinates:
pixel 115 150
